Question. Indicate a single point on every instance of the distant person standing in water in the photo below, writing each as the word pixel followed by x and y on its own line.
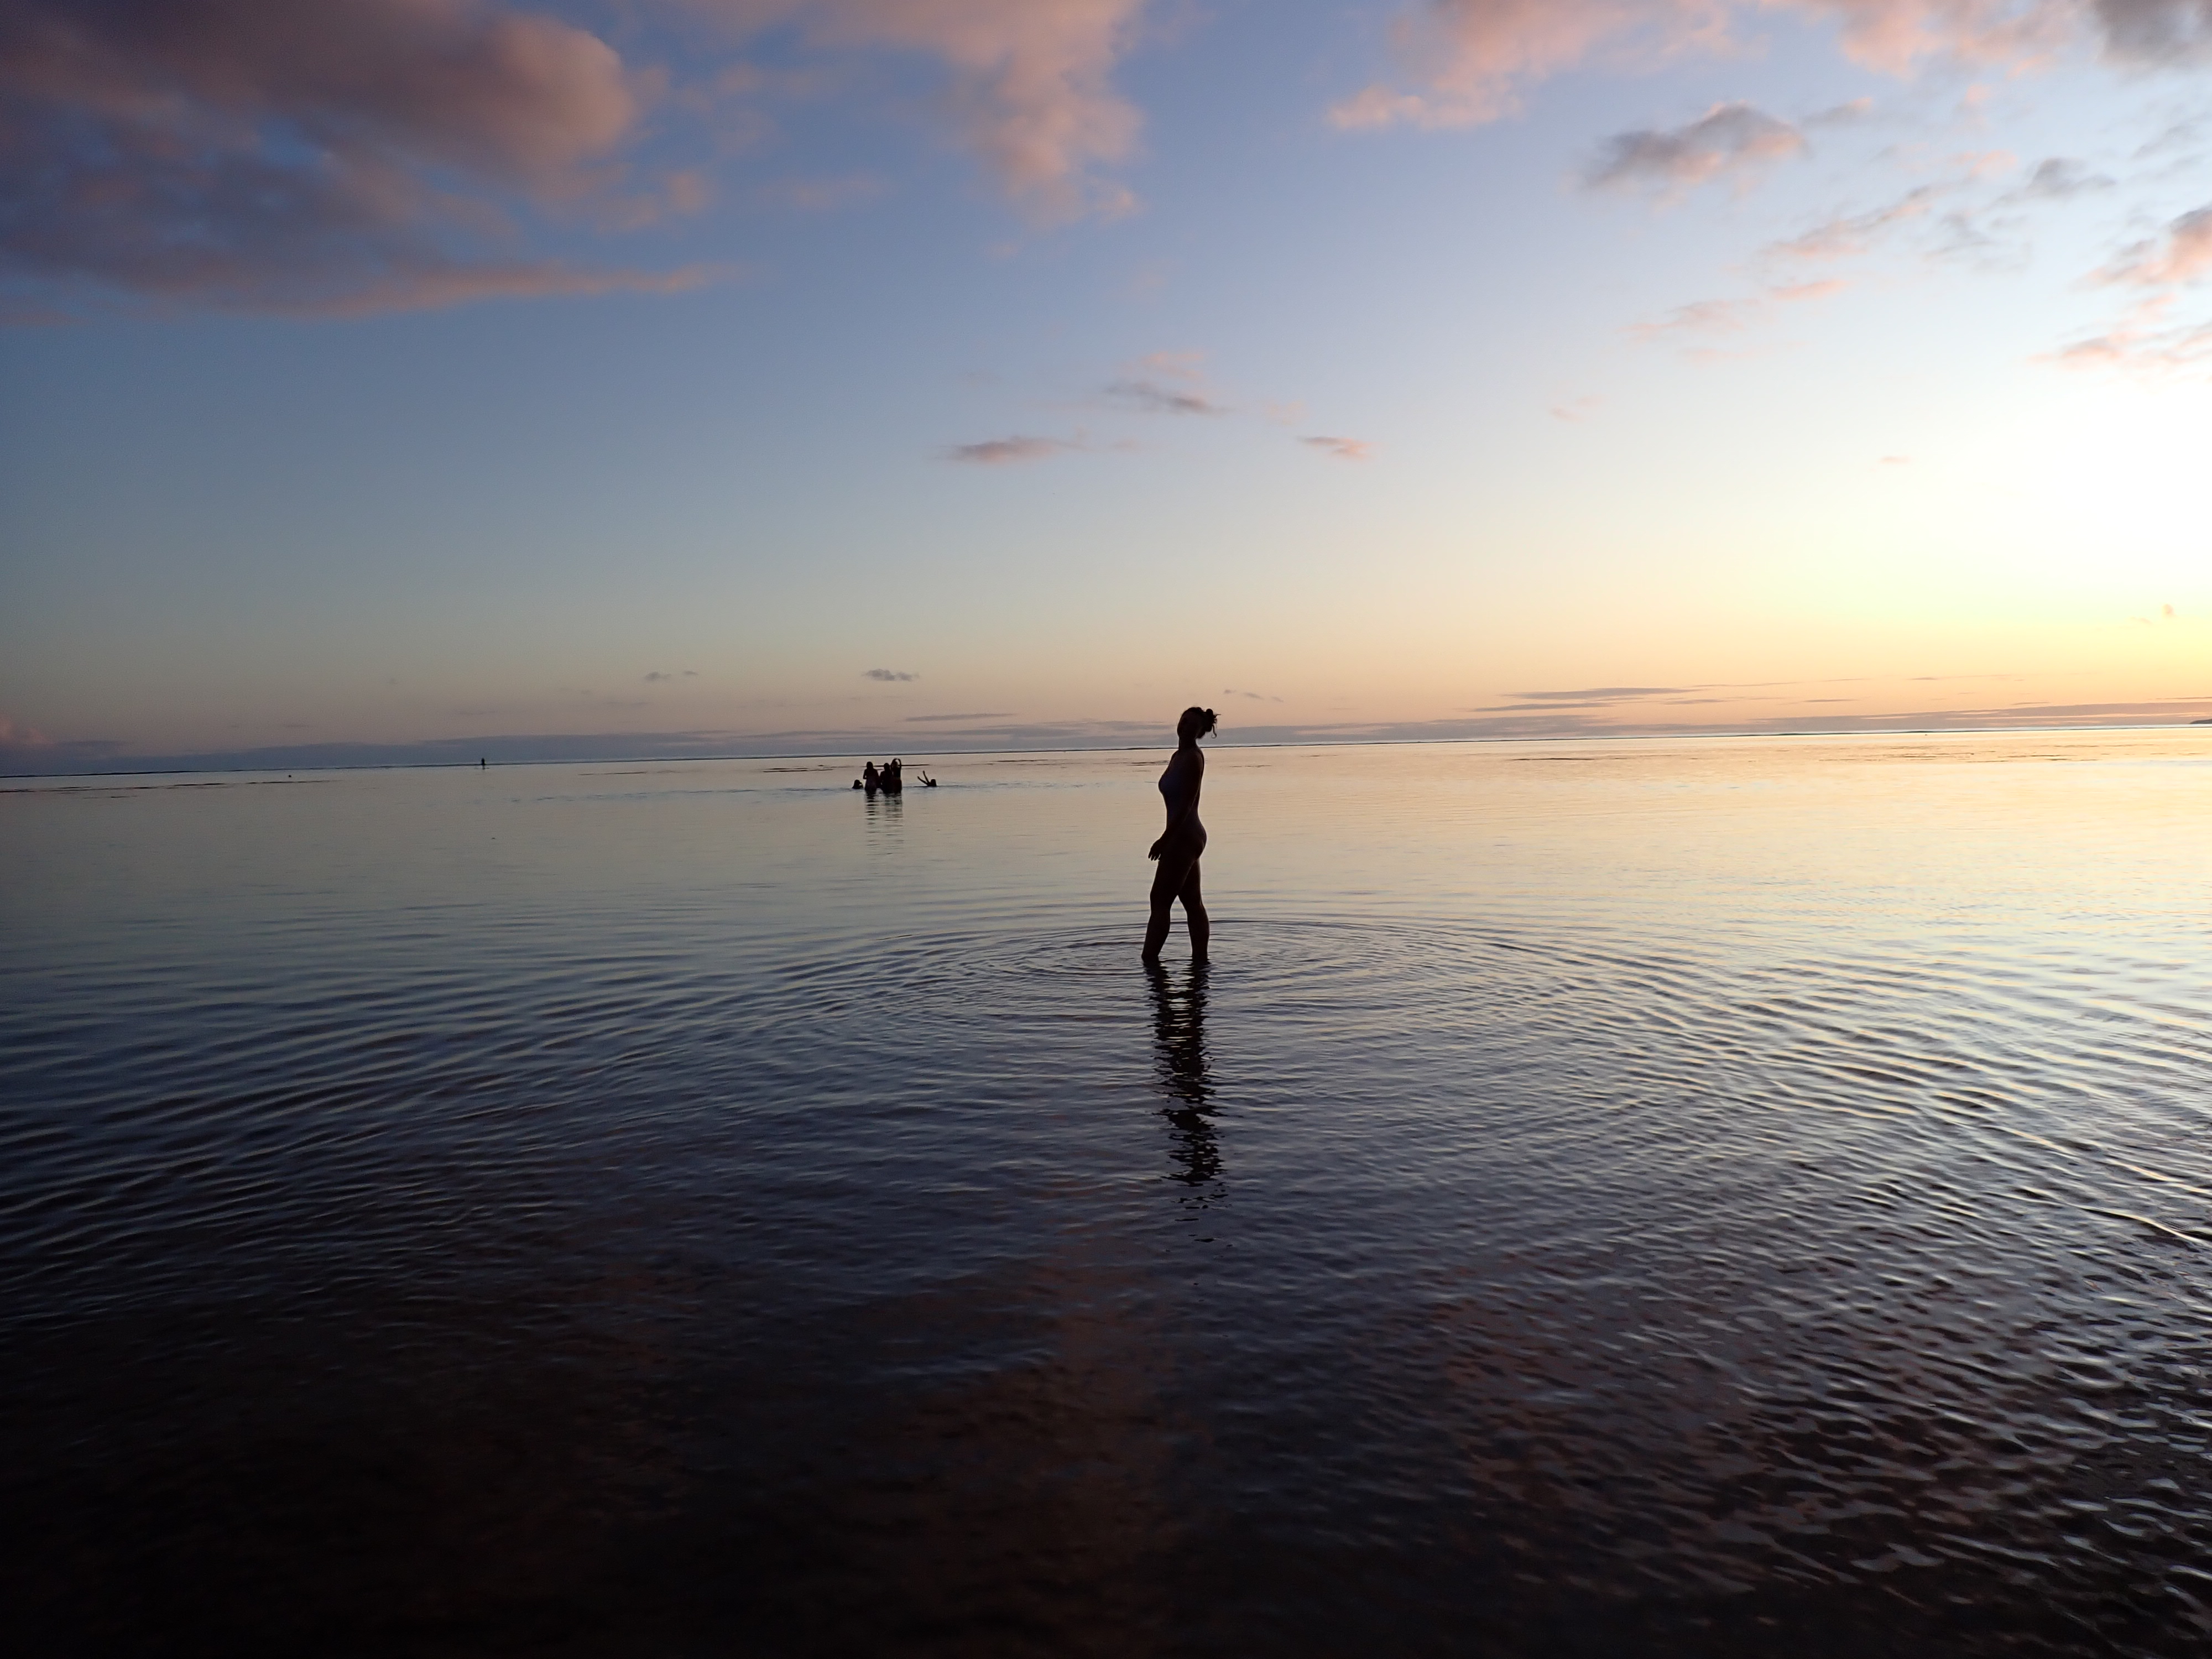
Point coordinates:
pixel 1179 848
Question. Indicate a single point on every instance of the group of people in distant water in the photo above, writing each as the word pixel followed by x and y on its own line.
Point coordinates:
pixel 888 779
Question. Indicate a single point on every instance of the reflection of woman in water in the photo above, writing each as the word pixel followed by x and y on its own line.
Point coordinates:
pixel 1186 1077
pixel 1178 850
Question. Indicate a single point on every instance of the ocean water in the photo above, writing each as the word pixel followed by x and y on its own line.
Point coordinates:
pixel 1705 1197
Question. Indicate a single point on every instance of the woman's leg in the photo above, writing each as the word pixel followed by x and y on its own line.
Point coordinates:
pixel 1167 882
pixel 1194 910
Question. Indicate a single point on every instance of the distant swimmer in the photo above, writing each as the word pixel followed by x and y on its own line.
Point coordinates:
pixel 869 777
pixel 1179 848
pixel 483 764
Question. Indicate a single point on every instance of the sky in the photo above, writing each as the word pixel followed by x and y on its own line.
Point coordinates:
pixel 391 379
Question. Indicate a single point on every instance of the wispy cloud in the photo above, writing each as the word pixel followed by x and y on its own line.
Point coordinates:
pixel 1154 398
pixel 2059 177
pixel 2181 253
pixel 1729 140
pixel 2142 342
pixel 1841 115
pixel 1599 694
pixel 987 715
pixel 1703 320
pixel 2147 338
pixel 898 675
pixel 1342 449
pixel 1167 383
pixel 1702 317
pixel 658 677
pixel 1009 450
pixel 1463 62
pixel 1849 235
pixel 1794 293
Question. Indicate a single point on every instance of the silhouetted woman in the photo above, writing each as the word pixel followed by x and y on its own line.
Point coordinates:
pixel 1179 848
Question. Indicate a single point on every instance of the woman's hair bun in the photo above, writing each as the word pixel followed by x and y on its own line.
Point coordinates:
pixel 1200 721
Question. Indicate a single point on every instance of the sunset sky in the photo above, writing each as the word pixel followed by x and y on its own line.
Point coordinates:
pixel 397 378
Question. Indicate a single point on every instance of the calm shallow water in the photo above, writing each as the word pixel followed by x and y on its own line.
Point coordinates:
pixel 1671 1198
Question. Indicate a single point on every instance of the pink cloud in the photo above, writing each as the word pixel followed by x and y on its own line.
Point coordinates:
pixel 1801 292
pixel 2146 339
pixel 1032 92
pixel 1464 62
pixel 338 156
pixel 1342 449
pixel 1706 318
pixel 341 156
pixel 1470 60
pixel 1703 317
pixel 2182 255
pixel 1856 234
pixel 2142 342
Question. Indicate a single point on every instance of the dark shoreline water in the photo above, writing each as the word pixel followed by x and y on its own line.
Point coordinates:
pixel 1643 1198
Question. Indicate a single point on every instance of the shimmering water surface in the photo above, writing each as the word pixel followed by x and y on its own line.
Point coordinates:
pixel 1730 1197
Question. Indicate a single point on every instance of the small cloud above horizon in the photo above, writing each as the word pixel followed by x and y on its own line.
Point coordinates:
pixel 890 675
pixel 1008 450
pixel 657 677
pixel 1167 383
pixel 1342 449
pixel 1606 693
pixel 1153 398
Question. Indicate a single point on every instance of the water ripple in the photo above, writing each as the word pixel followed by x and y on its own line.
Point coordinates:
pixel 548 1244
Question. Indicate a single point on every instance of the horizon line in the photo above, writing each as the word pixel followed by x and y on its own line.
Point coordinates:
pixel 484 763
